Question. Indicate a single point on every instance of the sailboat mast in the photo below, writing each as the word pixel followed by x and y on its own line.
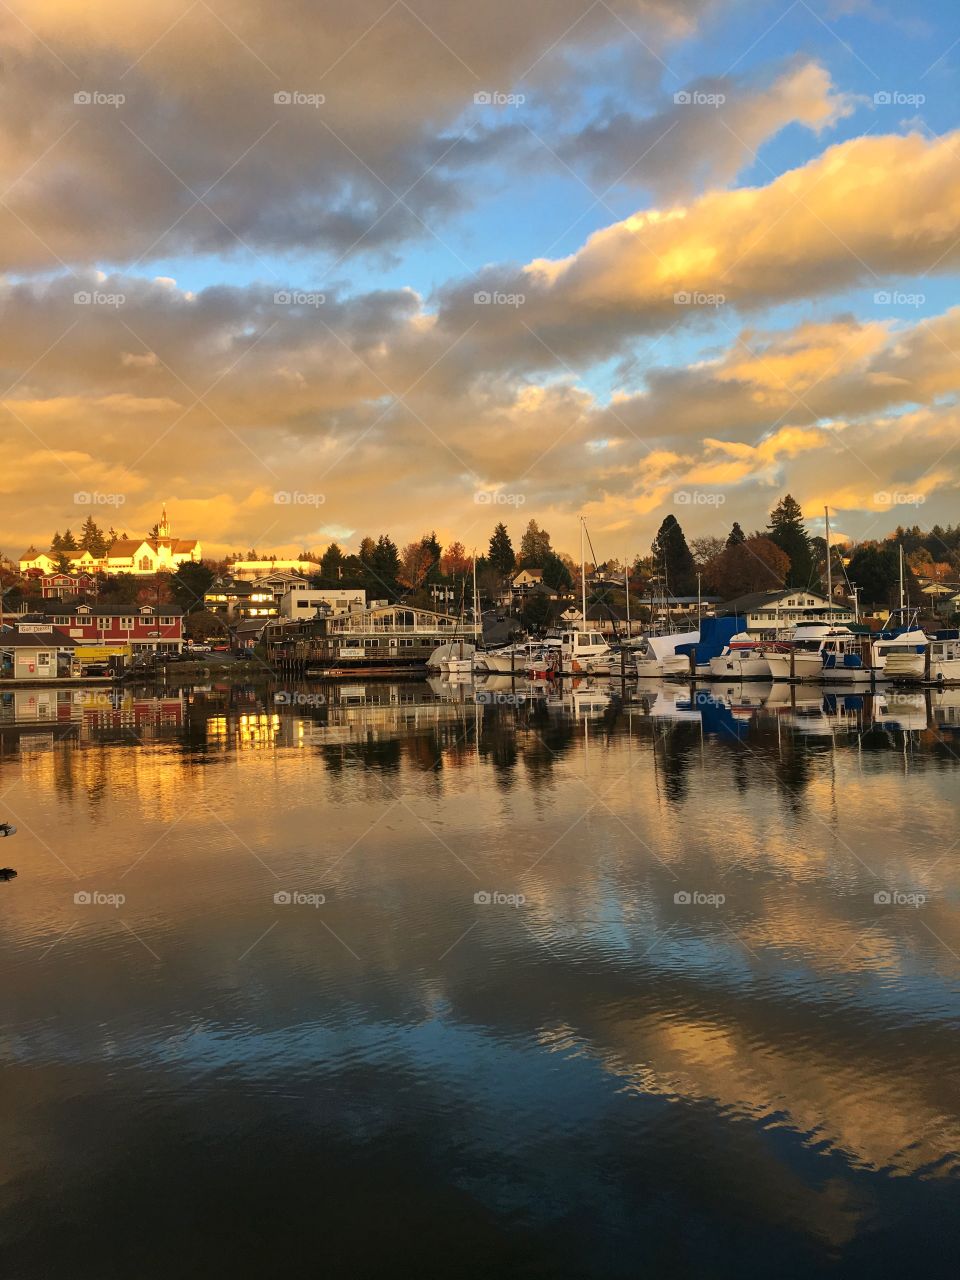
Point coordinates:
pixel 901 577
pixel 826 521
pixel 583 572
pixel 626 587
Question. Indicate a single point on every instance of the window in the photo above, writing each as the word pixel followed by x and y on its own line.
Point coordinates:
pixel 145 563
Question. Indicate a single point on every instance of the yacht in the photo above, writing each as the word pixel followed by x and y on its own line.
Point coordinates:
pixel 742 659
pixel 937 663
pixel 798 653
pixel 657 657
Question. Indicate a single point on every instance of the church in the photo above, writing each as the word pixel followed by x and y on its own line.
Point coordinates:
pixel 139 556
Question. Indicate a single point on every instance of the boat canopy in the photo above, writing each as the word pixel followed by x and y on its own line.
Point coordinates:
pixel 665 646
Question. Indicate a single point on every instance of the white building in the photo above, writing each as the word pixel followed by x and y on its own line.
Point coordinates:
pixel 301 600
pixel 786 607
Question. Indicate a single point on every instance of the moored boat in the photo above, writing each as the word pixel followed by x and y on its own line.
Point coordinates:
pixel 742 659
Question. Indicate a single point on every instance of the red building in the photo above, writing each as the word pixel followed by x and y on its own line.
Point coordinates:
pixel 55 586
pixel 144 627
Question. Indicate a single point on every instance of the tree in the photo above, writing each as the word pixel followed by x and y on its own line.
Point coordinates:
pixel 435 553
pixel 788 531
pixel 92 539
pixel 537 611
pixel 368 549
pixel 201 624
pixel 673 559
pixel 875 568
pixel 555 573
pixel 190 583
pixel 534 546
pixel 384 566
pixel 69 542
pixel 706 549
pixel 500 555
pixel 757 564
pixel 415 563
pixel 331 562
pixel 455 561
pixel 736 537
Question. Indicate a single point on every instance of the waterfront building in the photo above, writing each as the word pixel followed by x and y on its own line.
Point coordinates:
pixel 786 607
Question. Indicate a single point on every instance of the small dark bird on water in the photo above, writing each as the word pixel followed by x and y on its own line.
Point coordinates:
pixel 7 873
pixel 6 829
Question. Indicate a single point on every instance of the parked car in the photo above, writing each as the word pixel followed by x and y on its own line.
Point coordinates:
pixel 198 646
pixel 221 648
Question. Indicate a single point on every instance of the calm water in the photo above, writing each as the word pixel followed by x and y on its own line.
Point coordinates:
pixel 587 1075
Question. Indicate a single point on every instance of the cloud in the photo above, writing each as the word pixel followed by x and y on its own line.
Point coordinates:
pixel 709 133
pixel 140 131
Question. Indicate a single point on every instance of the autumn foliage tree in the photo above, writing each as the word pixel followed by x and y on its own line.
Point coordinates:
pixel 756 564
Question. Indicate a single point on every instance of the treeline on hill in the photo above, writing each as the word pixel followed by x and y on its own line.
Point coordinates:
pixel 727 565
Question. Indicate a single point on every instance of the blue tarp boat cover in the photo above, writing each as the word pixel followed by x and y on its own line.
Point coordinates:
pixel 715 635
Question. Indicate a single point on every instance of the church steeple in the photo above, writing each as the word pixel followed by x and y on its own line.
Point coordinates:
pixel 163 528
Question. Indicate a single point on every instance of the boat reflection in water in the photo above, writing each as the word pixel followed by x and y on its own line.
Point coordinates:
pixel 579 979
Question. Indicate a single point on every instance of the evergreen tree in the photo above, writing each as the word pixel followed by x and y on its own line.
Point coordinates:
pixel 189 583
pixel 433 552
pixel 736 536
pixel 92 539
pixel 500 555
pixel 673 559
pixel 69 542
pixel 331 562
pixel 56 543
pixel 534 546
pixel 384 566
pixel 787 531
pixel 556 574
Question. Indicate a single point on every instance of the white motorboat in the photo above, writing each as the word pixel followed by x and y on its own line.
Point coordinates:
pixel 937 663
pixel 508 660
pixel 742 659
pixel 575 649
pixel 452 650
pixel 658 655
pixel 798 653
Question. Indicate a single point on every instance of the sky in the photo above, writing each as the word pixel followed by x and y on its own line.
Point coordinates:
pixel 311 272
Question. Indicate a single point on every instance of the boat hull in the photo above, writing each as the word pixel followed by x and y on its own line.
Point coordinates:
pixel 732 666
pixel 807 665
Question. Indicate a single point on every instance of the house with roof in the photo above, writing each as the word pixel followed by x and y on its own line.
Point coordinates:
pixel 35 655
pixel 786 607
